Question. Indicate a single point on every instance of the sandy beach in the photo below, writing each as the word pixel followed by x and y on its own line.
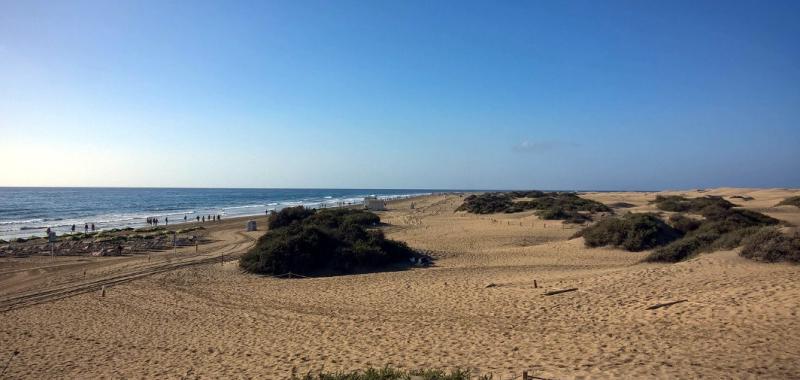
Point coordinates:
pixel 481 306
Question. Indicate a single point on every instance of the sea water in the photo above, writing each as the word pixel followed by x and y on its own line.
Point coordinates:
pixel 27 211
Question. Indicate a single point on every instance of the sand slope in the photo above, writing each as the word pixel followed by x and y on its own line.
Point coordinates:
pixel 212 321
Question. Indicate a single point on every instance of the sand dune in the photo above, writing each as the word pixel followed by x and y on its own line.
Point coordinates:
pixel 212 321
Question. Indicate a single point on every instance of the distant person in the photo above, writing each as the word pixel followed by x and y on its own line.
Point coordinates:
pixel 86 228
pixel 219 217
pixel 204 218
pixel 198 218
pixel 48 231
pixel 166 220
pixel 184 218
pixel 92 227
pixel 73 228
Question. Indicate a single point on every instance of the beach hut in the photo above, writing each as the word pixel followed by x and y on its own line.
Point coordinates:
pixel 251 226
pixel 374 204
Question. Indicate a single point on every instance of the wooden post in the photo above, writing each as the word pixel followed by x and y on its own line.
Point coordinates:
pixel 103 291
pixel 195 245
pixel 535 285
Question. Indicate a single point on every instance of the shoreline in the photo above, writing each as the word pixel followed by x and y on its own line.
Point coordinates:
pixel 138 219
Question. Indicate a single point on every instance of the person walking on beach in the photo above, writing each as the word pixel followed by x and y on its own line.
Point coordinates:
pixel 166 220
pixel 92 227
pixel 184 218
pixel 73 228
pixel 86 228
pixel 204 218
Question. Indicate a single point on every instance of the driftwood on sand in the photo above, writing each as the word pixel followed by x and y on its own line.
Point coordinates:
pixel 665 304
pixel 554 292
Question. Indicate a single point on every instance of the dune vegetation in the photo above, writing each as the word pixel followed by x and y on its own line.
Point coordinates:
pixel 677 203
pixel 770 245
pixel 791 201
pixel 548 205
pixel 633 232
pixel 717 226
pixel 329 242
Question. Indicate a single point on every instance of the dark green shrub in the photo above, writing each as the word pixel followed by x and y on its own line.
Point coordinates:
pixel 678 203
pixel 327 242
pixel 548 205
pixel 791 201
pixel 680 249
pixel 722 229
pixel 683 223
pixel 633 232
pixel 487 203
pixel 733 239
pixel 288 215
pixel 621 205
pixel 770 245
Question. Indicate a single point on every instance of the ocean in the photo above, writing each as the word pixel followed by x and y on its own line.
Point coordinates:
pixel 29 211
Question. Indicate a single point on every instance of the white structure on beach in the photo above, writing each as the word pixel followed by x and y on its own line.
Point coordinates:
pixel 374 204
pixel 251 226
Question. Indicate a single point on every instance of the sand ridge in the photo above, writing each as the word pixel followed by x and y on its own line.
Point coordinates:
pixel 213 321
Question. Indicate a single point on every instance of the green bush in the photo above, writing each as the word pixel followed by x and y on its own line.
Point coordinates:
pixel 327 242
pixel 680 249
pixel 288 215
pixel 722 229
pixel 678 203
pixel 633 232
pixel 394 374
pixel 683 223
pixel 487 203
pixel 791 201
pixel 548 205
pixel 621 205
pixel 770 245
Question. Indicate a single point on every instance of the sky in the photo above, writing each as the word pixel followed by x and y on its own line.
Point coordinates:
pixel 589 95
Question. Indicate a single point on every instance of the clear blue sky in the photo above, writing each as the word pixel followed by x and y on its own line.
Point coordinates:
pixel 400 94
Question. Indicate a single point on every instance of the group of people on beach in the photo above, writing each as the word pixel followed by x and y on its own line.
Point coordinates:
pixel 72 229
pixel 209 218
pixel 153 221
